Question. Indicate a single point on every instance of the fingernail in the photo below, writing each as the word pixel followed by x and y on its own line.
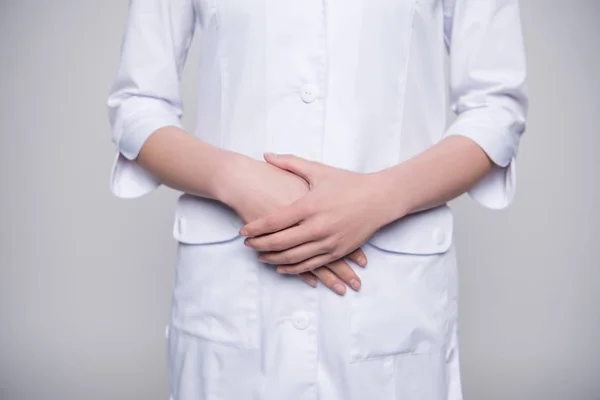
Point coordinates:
pixel 339 288
pixel 281 270
pixel 362 261
pixel 243 232
pixel 354 284
pixel 246 242
pixel 312 283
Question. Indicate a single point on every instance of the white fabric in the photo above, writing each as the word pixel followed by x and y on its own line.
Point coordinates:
pixel 357 84
pixel 240 331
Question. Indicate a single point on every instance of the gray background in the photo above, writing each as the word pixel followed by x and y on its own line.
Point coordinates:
pixel 85 278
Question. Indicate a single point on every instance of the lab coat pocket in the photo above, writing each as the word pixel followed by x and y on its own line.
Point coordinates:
pixel 402 306
pixel 215 294
pixel 216 279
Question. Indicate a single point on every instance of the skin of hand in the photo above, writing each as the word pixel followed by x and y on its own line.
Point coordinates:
pixel 338 214
pixel 257 189
pixel 252 188
pixel 343 208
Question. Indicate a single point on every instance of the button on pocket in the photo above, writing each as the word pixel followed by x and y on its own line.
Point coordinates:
pixel 300 321
pixel 309 93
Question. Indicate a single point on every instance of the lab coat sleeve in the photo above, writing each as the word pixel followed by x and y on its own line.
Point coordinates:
pixel 145 95
pixel 487 88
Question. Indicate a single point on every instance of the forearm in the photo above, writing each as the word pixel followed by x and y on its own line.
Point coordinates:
pixel 183 162
pixel 436 176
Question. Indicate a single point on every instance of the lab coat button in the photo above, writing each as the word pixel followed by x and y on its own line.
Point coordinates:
pixel 300 321
pixel 309 93
pixel 439 236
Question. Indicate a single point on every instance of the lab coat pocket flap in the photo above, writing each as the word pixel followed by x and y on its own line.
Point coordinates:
pixel 426 232
pixel 202 221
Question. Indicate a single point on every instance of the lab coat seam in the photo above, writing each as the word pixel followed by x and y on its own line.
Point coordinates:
pixel 255 312
pixel 325 78
pixel 222 74
pixel 393 373
pixel 448 309
pixel 452 303
pixel 185 51
pixel 405 77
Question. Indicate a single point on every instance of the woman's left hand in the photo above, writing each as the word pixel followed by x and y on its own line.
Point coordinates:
pixel 341 211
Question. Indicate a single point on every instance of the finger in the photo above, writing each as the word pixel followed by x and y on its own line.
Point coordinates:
pixel 345 273
pixel 359 257
pixel 309 278
pixel 279 220
pixel 296 165
pixel 282 240
pixel 294 255
pixel 330 280
pixel 307 265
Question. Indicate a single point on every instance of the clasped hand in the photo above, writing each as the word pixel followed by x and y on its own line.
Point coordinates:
pixel 312 235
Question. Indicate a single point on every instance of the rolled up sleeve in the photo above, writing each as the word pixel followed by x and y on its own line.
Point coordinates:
pixel 145 95
pixel 487 88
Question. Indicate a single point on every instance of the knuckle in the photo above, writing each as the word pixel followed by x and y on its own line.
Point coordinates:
pixel 313 265
pixel 328 245
pixel 323 229
pixel 332 256
pixel 336 254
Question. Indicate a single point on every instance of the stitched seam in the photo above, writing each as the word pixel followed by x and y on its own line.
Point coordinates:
pixel 220 58
pixel 325 77
pixel 406 66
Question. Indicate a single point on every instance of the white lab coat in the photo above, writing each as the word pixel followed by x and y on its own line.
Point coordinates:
pixel 357 84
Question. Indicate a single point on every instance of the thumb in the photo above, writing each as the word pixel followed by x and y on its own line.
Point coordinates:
pixel 296 165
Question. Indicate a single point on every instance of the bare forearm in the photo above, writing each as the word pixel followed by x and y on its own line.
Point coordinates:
pixel 436 176
pixel 183 162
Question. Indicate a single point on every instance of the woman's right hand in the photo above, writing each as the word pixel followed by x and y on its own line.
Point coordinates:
pixel 255 188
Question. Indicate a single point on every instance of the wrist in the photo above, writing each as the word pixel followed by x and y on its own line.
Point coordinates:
pixel 226 179
pixel 392 201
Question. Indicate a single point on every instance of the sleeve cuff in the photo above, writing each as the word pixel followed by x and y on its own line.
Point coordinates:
pixel 497 189
pixel 128 179
pixel 137 128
